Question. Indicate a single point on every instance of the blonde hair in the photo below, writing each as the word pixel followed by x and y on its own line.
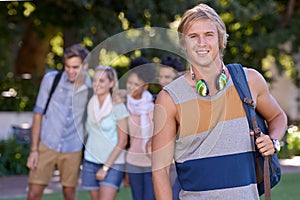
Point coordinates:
pixel 111 74
pixel 203 11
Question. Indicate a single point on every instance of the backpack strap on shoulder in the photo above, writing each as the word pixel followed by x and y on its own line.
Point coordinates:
pixel 54 85
pixel 241 84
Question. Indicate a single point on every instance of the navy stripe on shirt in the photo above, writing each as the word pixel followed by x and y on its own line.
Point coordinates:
pixel 219 172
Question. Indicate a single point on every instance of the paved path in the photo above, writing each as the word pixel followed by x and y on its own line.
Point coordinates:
pixel 16 186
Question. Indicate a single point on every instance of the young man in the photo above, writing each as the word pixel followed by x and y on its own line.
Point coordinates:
pixel 169 69
pixel 207 130
pixel 57 135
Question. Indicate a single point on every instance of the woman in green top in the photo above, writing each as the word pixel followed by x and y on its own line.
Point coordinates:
pixel 103 166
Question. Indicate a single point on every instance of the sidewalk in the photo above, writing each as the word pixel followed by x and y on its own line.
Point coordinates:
pixel 15 186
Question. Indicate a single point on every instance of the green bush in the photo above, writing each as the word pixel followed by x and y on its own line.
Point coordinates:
pixel 284 153
pixel 13 157
pixel 290 145
pixel 293 140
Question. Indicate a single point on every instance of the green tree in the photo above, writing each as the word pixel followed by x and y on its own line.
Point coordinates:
pixel 34 33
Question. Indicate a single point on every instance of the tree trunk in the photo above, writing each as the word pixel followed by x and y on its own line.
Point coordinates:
pixel 33 49
pixel 70 37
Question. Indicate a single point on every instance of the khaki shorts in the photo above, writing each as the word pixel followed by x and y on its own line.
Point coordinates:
pixel 68 165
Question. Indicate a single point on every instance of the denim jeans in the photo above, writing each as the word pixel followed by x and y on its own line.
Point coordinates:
pixel 140 179
pixel 113 178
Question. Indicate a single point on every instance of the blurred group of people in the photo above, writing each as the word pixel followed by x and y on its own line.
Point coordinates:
pixel 114 125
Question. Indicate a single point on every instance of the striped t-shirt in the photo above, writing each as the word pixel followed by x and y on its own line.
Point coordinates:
pixel 214 152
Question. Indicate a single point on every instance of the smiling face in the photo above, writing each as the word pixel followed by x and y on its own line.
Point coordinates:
pixel 135 86
pixel 166 75
pixel 101 83
pixel 201 43
pixel 73 67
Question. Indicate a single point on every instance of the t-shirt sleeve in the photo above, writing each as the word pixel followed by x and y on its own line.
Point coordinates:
pixel 44 91
pixel 120 111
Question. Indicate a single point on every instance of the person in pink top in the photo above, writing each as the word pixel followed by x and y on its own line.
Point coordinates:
pixel 140 106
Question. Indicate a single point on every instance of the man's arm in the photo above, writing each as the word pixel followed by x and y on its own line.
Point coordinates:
pixel 35 138
pixel 165 129
pixel 268 107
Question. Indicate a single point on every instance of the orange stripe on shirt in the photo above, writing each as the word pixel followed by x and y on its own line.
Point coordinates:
pixel 200 115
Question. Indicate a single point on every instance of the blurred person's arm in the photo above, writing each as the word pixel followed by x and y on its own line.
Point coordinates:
pixel 163 141
pixel 122 129
pixel 32 160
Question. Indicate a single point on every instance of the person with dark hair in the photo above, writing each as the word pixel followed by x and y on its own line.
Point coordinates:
pixel 138 62
pixel 57 129
pixel 76 49
pixel 200 121
pixel 140 106
pixel 170 68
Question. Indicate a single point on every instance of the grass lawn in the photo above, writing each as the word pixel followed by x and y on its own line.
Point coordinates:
pixel 287 189
pixel 124 194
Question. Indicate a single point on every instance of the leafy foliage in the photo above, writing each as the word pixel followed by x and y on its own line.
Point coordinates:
pixel 256 29
pixel 293 140
pixel 13 157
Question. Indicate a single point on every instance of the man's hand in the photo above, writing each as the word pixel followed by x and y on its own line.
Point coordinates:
pixel 32 160
pixel 264 144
